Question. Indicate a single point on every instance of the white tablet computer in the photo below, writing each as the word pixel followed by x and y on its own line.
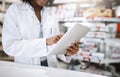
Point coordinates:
pixel 75 33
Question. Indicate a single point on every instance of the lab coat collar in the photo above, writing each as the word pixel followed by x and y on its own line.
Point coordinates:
pixel 26 6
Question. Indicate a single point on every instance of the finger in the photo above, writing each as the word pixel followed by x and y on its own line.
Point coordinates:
pixel 69 53
pixel 72 49
pixel 56 38
pixel 59 36
pixel 75 47
pixel 76 44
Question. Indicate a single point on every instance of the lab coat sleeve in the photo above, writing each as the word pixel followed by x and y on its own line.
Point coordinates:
pixel 12 41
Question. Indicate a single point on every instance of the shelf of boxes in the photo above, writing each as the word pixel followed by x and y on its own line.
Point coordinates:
pixel 112 51
pixel 4 4
pixel 76 1
pixel 102 21
pixel 108 61
pixel 95 43
pixel 94 57
pixel 91 49
pixel 95 19
pixel 10 1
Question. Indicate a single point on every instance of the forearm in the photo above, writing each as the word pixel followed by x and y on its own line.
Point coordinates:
pixel 25 48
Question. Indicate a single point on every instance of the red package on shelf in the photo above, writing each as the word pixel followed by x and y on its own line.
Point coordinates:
pixel 118 28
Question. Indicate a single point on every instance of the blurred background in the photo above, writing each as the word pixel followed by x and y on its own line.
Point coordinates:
pixel 100 48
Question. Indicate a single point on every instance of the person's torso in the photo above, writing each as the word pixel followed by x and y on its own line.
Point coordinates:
pixel 29 28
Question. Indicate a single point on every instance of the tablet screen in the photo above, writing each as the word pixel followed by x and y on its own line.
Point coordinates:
pixel 75 33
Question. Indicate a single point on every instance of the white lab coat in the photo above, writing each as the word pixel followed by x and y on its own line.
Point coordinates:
pixel 20 35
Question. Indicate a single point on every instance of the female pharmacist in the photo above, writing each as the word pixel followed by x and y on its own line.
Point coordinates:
pixel 28 33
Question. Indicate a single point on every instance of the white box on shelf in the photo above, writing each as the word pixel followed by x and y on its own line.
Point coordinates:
pixel 97 35
pixel 112 27
pixel 112 48
pixel 94 57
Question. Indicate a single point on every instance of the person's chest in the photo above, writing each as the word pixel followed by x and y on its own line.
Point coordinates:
pixel 29 25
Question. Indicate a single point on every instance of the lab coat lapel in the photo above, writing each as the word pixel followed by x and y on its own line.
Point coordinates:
pixel 30 22
pixel 30 10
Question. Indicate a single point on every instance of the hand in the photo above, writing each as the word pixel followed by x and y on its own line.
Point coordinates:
pixel 73 49
pixel 53 40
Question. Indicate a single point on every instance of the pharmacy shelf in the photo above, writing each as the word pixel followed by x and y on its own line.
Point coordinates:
pixel 106 3
pixel 96 19
pixel 5 3
pixel 10 1
pixel 95 57
pixel 108 61
pixel 77 1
